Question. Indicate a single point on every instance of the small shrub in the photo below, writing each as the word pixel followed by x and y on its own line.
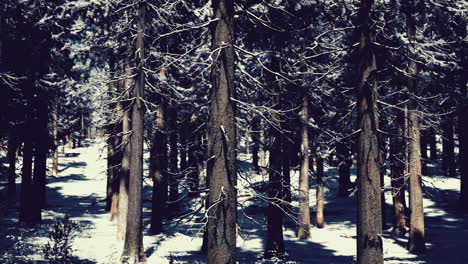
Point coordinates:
pixel 59 248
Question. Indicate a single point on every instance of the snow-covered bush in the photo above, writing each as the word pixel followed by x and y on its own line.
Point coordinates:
pixel 59 248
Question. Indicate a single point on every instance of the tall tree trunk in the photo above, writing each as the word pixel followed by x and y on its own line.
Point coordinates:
pixel 123 178
pixel 448 145
pixel 463 121
pixel 113 154
pixel 319 216
pixel 369 222
pixel 416 241
pixel 432 144
pixel 255 143
pixel 304 209
pixel 29 205
pixel 222 169
pixel 286 173
pixel 397 167
pixel 194 174
pixel 55 169
pixel 183 138
pixel 83 128
pixel 133 248
pixel 158 171
pixel 173 155
pixel 275 242
pixel 344 168
pixel 11 155
pixel 40 155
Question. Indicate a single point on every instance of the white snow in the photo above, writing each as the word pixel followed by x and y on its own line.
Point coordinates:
pixel 79 191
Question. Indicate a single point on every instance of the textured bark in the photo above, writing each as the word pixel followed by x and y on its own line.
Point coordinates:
pixel 133 248
pixel 55 169
pixel 222 170
pixel 416 241
pixel 397 167
pixel 122 107
pixel 304 209
pixel 319 216
pixel 369 222
pixel 158 171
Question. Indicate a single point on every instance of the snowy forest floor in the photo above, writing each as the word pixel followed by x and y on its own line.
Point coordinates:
pixel 79 190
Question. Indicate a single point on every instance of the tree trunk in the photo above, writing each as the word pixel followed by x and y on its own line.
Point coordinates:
pixel 369 222
pixel 275 242
pixel 463 131
pixel 344 168
pixel 448 145
pixel 158 171
pixel 83 128
pixel 40 155
pixel 29 204
pixel 397 167
pixel 55 169
pixel 123 178
pixel 11 155
pixel 319 216
pixel 432 144
pixel 304 209
pixel 133 248
pixel 255 143
pixel 194 152
pixel 416 241
pixel 222 169
pixel 173 161
pixel 286 173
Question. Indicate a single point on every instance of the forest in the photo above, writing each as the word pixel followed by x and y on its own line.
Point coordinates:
pixel 233 131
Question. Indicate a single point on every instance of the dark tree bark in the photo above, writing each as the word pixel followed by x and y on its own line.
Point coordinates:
pixel 344 168
pixel 304 208
pixel 133 248
pixel 416 241
pixel 173 154
pixel 29 204
pixel 432 145
pixel 369 222
pixel 397 168
pixel 222 169
pixel 275 242
pixel 286 151
pixel 158 171
pixel 55 169
pixel 194 158
pixel 11 155
pixel 40 154
pixel 183 138
pixel 255 143
pixel 462 126
pixel 448 145
pixel 319 216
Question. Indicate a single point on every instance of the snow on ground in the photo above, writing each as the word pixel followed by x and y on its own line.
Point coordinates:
pixel 79 191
